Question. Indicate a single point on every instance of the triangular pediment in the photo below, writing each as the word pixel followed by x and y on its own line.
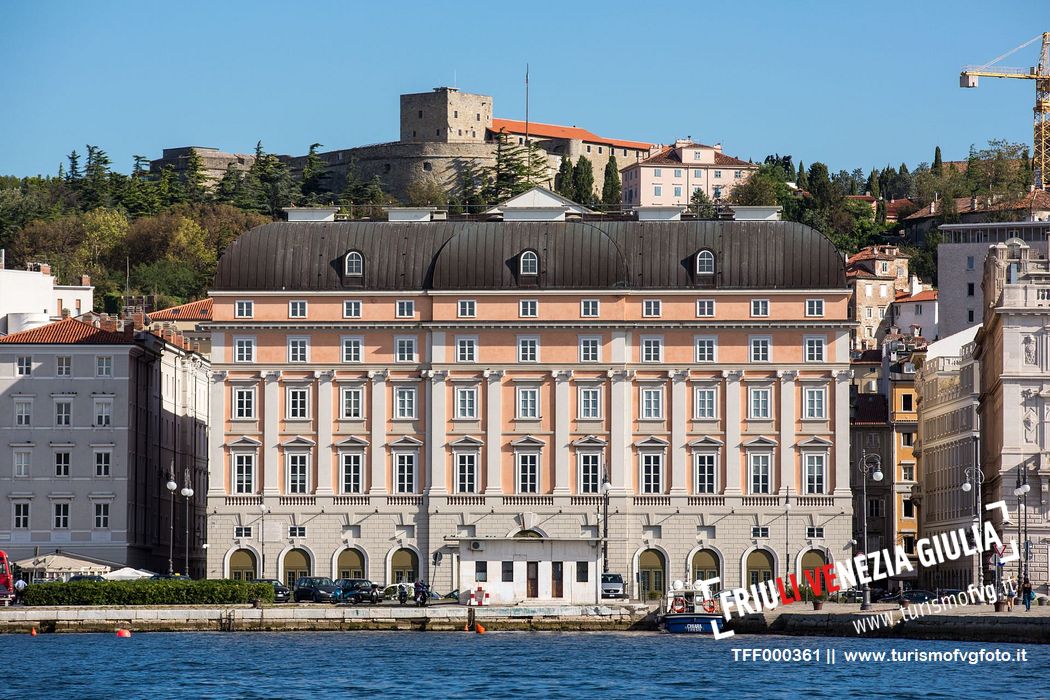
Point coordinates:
pixel 761 441
pixel 652 441
pixel 539 198
pixel 298 441
pixel 706 441
pixel 244 441
pixel 590 441
pixel 815 441
pixel 467 441
pixel 352 441
pixel 406 441
pixel 528 441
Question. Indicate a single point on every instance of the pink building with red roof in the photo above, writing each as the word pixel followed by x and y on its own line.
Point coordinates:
pixel 672 175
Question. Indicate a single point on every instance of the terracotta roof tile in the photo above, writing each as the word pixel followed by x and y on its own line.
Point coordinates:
pixel 193 311
pixel 553 131
pixel 69 331
pixel 925 295
pixel 671 156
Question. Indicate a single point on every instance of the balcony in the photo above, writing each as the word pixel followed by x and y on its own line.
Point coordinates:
pixel 297 501
pixel 528 500
pixel 404 500
pixel 586 500
pixel 714 501
pixel 243 501
pixel 814 501
pixel 350 501
pixel 465 500
pixel 651 501
pixel 760 501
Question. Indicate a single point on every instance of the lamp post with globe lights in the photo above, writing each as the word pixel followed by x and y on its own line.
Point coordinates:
pixel 974 475
pixel 263 510
pixel 606 488
pixel 187 493
pixel 1021 491
pixel 171 486
pixel 869 464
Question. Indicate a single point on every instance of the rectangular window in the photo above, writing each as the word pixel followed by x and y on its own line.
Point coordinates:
pixel 528 472
pixel 297 350
pixel 814 533
pixel 21 516
pixel 869 312
pixel 677 190
pixel 63 366
pixel 969 289
pixel 705 349
pixel 657 172
pixel 759 532
pixel 406 309
pixel 22 460
pixel 908 439
pixel 583 572
pixel 705 472
pixel 101 516
pixel 103 463
pixel 244 403
pixel 758 468
pixel 298 400
pixel 760 307
pixel 590 403
pixel 718 174
pixel 814 473
pixel 352 402
pixel 243 309
pixel 883 290
pixel 652 472
pixel 815 400
pixel 467 403
pixel 590 467
pixel 481 568
pixel 242 532
pixel 907 402
pixel 658 191
pixel 706 403
pixel 528 403
pixel 24 366
pixel 528 349
pixel 651 308
pixel 61 512
pixel 104 366
pixel 590 349
pixel 969 262
pixel 351 308
pixel 908 472
pixel 466 308
pixel 103 413
pixel 969 316
pixel 23 413
pixel 908 508
pixel 705 308
pixel 244 473
pixel 62 464
pixel 677 172
pixel 297 473
pixel 297 531
pixel 652 349
pixel 244 350
pixel 508 572
pixel 759 401
pixel 589 308
pixel 814 307
pixel 875 508
pixel 405 471
pixel 652 404
pixel 297 309
pixel 528 308
pixel 405 403
pixel 761 349
pixel 350 472
pixel 466 349
pixel 63 413
pixel 405 349
pixel 353 349
pixel 466 472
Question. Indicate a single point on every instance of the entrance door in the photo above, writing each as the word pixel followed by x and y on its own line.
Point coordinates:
pixel 532 579
pixel 557 588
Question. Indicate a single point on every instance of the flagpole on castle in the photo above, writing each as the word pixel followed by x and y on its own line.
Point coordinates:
pixel 528 142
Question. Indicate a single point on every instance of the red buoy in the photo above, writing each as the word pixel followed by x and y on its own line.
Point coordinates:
pixel 122 633
pixel 32 632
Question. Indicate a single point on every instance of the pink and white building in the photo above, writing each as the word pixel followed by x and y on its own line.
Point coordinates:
pixel 671 176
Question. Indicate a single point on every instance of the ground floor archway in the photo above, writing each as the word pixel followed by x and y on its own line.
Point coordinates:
pixel 404 566
pixel 759 567
pixel 652 574
pixel 351 564
pixel 811 560
pixel 705 566
pixel 243 566
pixel 296 565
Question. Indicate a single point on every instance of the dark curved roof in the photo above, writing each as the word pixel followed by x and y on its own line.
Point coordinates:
pixel 573 255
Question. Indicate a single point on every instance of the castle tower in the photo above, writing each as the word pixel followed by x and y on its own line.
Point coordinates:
pixel 445 115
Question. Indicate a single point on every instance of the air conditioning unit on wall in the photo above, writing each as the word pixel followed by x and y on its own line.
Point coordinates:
pixel 476 546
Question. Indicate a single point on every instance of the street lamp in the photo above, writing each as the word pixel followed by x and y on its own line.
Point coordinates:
pixel 171 486
pixel 606 488
pixel 787 533
pixel 869 464
pixel 187 492
pixel 1022 514
pixel 975 475
pixel 263 510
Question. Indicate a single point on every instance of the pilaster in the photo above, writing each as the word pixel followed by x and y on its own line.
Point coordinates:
pixel 493 431
pixel 377 423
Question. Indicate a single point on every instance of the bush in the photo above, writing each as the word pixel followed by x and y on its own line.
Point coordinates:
pixel 148 592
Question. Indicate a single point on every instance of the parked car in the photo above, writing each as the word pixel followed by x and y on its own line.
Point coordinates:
pixel 390 592
pixel 281 592
pixel 354 591
pixel 612 586
pixel 319 589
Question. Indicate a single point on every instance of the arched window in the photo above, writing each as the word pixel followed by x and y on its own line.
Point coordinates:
pixel 355 264
pixel 705 263
pixel 530 263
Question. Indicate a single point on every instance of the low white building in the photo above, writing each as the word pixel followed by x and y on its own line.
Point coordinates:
pixel 915 311
pixel 33 297
pixel 528 568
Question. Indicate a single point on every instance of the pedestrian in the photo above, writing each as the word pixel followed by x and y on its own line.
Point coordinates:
pixel 20 586
pixel 1027 594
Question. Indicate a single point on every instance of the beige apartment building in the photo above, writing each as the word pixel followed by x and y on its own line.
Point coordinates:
pixel 382 390
pixel 876 274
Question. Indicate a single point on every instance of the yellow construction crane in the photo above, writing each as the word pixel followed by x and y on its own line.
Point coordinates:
pixel 1041 76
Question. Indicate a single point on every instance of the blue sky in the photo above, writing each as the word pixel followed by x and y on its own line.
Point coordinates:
pixel 872 84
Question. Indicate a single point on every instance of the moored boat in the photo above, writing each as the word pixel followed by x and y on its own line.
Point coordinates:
pixel 687 611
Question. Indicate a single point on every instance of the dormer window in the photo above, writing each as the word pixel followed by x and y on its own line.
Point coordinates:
pixel 530 263
pixel 705 263
pixel 355 264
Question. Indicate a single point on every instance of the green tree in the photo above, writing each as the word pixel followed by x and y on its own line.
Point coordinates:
pixel 563 183
pixel 801 178
pixel 611 194
pixel 514 170
pixel 94 189
pixel 105 233
pixel 228 189
pixel 938 164
pixel 702 205
pixel 820 185
pixel 169 188
pixel 583 181
pixel 426 192
pixel 759 190
pixel 315 173
pixel 872 185
pixel 74 166
pixel 193 178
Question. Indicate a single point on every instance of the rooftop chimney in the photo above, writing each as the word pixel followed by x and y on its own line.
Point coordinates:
pixel 85 280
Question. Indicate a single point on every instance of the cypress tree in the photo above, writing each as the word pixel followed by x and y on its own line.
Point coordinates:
pixel 802 179
pixel 611 185
pixel 313 176
pixel 563 184
pixel 873 184
pixel 938 164
pixel 583 181
pixel 74 166
pixel 194 179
